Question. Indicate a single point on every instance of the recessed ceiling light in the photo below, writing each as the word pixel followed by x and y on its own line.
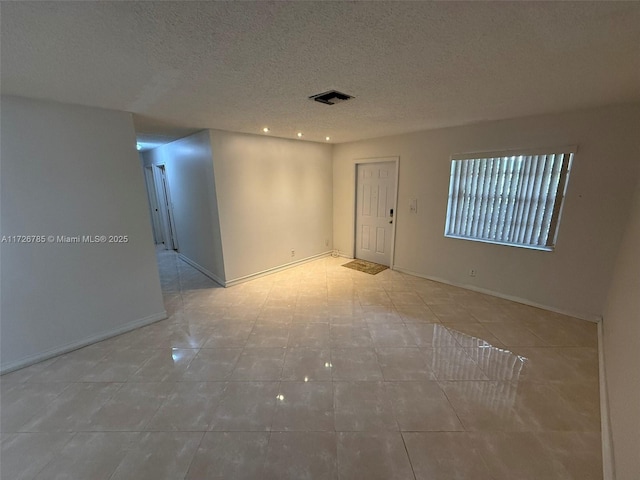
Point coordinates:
pixel 299 134
pixel 265 129
pixel 327 138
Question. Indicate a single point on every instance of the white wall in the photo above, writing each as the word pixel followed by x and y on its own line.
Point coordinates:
pixel 69 170
pixel 274 195
pixel 621 326
pixel 575 277
pixel 189 170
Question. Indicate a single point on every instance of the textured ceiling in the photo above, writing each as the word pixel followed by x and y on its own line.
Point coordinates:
pixel 240 66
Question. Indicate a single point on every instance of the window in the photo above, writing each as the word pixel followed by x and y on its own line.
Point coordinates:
pixel 511 199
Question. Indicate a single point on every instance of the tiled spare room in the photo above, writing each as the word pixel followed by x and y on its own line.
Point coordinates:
pixel 309 240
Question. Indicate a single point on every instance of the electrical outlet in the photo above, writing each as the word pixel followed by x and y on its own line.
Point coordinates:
pixel 293 252
pixel 472 272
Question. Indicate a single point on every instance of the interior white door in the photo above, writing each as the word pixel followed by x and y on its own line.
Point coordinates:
pixel 153 205
pixel 375 207
pixel 166 210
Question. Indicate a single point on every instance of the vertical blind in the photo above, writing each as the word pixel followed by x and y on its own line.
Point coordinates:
pixel 513 199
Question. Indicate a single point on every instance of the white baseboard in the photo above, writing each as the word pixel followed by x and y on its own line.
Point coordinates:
pixel 201 269
pixel 253 276
pixel 41 356
pixel 581 316
pixel 608 465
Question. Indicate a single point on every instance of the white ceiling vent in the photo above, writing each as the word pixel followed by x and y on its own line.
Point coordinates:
pixel 331 97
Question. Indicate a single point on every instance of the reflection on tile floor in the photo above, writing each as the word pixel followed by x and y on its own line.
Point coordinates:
pixel 314 372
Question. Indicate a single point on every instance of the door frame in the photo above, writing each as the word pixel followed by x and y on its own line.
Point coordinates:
pixel 162 190
pixel 364 161
pixel 154 208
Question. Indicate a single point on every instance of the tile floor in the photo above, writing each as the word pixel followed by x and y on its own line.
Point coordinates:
pixel 315 372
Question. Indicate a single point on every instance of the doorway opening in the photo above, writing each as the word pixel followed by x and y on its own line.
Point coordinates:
pixel 161 208
pixel 154 207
